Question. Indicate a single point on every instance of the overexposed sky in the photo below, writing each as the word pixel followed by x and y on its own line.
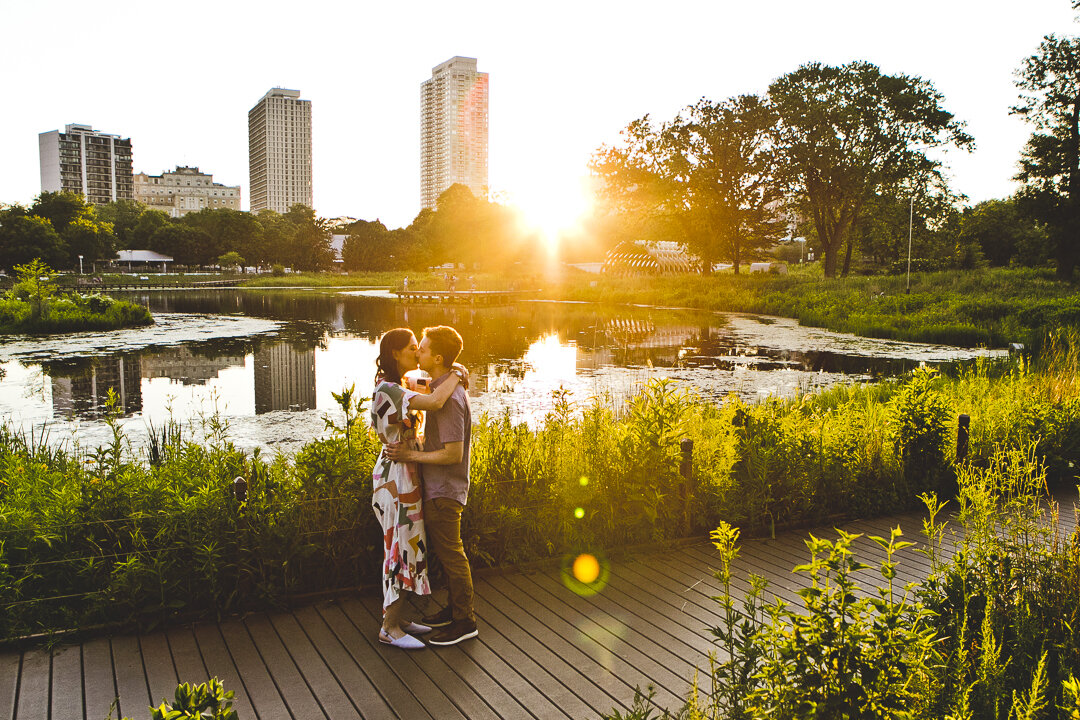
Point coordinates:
pixel 178 78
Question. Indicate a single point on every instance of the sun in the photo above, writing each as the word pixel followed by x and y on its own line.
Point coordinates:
pixel 552 206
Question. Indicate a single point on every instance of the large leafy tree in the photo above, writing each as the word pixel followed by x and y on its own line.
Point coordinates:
pixel 707 179
pixel 1005 234
pixel 309 247
pixel 848 133
pixel 84 233
pixel 24 237
pixel 367 247
pixel 1049 82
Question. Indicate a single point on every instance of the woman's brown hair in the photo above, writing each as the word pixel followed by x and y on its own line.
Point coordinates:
pixel 392 341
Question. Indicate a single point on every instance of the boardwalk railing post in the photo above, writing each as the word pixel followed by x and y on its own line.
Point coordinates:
pixel 962 424
pixel 686 469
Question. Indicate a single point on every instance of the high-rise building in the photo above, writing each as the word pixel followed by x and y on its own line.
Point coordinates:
pixel 279 151
pixel 185 190
pixel 82 160
pixel 453 130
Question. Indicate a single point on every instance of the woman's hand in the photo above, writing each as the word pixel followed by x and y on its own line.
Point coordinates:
pixel 462 372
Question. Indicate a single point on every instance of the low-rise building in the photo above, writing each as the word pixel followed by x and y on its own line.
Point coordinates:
pixel 185 190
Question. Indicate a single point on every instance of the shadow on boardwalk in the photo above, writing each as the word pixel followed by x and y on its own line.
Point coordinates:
pixel 543 652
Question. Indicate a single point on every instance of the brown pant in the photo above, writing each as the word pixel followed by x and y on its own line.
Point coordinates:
pixel 442 521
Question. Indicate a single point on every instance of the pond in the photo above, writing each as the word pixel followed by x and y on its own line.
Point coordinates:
pixel 267 361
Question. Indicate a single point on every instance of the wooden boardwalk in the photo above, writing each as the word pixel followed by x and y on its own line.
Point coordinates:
pixel 543 652
pixel 470 297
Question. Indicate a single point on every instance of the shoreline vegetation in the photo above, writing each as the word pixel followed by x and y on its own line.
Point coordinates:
pixel 36 306
pixel 110 535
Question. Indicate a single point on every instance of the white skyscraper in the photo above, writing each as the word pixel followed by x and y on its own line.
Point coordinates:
pixel 83 160
pixel 453 130
pixel 279 151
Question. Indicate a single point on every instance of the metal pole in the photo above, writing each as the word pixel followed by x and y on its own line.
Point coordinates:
pixel 911 218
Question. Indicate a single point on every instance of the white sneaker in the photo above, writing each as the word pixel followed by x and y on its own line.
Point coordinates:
pixel 405 642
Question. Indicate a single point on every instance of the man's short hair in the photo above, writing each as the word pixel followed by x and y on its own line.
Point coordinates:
pixel 444 341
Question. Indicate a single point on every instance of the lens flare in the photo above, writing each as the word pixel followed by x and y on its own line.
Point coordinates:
pixel 583 481
pixel 586 568
pixel 579 513
pixel 586 573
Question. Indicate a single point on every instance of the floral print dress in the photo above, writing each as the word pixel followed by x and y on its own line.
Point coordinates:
pixel 398 496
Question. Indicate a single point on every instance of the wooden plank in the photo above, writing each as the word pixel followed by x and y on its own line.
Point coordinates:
pixel 617 631
pixel 160 671
pixel 219 663
pixel 130 677
pixel 534 643
pixel 604 653
pixel 481 672
pixel 290 683
pixel 662 618
pixel 67 682
pixel 261 691
pixel 678 649
pixel 10 662
pixel 312 665
pixel 357 685
pixel 399 697
pixel 429 690
pixel 99 684
pixel 33 699
pixel 186 656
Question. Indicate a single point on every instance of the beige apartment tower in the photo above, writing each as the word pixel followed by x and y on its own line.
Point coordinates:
pixel 453 130
pixel 279 151
pixel 82 160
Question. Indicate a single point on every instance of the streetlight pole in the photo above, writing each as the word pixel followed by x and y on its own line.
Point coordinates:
pixel 80 265
pixel 911 217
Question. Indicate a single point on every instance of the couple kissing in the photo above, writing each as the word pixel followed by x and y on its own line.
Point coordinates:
pixel 421 482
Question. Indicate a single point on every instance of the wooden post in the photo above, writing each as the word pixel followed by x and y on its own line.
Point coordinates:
pixel 962 424
pixel 686 467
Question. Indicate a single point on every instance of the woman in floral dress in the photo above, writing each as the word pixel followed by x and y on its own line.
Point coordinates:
pixel 396 414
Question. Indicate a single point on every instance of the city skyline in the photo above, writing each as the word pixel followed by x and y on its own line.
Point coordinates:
pixel 566 83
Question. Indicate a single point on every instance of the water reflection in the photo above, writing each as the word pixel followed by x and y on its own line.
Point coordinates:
pixel 269 362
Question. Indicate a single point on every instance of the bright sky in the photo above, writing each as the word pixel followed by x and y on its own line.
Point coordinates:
pixel 178 78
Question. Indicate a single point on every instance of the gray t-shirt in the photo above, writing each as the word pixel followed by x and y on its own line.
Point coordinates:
pixel 453 423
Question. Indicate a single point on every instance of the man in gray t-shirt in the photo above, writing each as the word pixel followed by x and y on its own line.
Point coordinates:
pixel 444 466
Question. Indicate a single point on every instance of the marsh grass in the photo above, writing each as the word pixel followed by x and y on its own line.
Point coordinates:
pixel 971 308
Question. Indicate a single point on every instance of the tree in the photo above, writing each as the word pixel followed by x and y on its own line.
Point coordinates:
pixel 93 240
pixel 1005 234
pixel 24 237
pixel 61 208
pixel 708 177
pixel 231 259
pixel 847 133
pixel 149 222
pixel 184 244
pixel 123 215
pixel 1050 162
pixel 367 247
pixel 309 248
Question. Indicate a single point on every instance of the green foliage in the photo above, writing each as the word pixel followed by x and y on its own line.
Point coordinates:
pixel 709 176
pixel 147 538
pixel 33 305
pixel 1050 85
pixel 849 133
pixel 197 702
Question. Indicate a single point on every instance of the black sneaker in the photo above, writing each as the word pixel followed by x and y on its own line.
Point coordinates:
pixel 440 619
pixel 454 633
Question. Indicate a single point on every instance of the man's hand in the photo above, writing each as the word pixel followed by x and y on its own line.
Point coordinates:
pixel 399 453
